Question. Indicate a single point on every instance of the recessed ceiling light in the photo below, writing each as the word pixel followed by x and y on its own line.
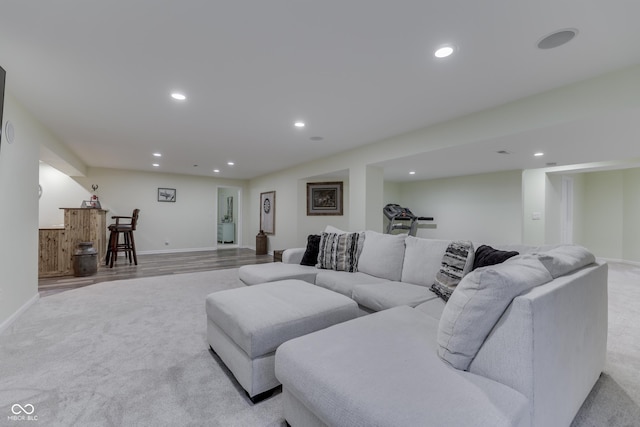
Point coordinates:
pixel 299 124
pixel 155 165
pixel 157 154
pixel 230 163
pixel 216 171
pixel 557 38
pixel 412 172
pixel 539 154
pixel 178 96
pixel 444 51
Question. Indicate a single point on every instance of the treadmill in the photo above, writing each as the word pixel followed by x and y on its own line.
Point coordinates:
pixel 402 219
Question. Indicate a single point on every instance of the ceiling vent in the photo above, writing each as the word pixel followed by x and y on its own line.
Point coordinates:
pixel 503 152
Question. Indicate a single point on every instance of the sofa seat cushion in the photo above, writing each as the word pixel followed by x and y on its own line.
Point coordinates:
pixel 383 370
pixel 382 255
pixel 381 296
pixel 274 271
pixel 344 282
pixel 422 259
pixel 432 308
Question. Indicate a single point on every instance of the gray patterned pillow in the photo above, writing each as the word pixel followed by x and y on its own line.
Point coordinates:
pixel 456 262
pixel 340 251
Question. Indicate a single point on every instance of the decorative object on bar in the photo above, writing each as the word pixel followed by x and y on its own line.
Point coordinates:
pixel 166 194
pixel 268 212
pixel 324 198
pixel 93 202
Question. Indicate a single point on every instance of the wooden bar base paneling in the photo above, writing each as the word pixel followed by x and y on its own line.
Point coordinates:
pixel 57 246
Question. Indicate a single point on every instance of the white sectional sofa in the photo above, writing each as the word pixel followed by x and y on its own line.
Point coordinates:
pixel 520 343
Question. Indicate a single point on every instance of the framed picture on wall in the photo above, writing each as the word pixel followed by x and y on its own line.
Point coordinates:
pixel 166 194
pixel 268 212
pixel 324 198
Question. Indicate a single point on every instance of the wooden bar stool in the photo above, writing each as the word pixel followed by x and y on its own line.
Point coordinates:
pixel 125 244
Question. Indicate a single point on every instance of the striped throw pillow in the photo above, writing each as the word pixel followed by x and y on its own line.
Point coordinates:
pixel 340 251
pixel 456 263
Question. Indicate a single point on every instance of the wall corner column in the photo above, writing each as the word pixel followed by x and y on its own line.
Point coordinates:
pixel 366 189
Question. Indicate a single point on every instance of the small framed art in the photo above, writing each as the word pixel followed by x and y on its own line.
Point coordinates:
pixel 166 194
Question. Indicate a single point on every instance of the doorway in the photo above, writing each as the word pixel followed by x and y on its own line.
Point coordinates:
pixel 229 216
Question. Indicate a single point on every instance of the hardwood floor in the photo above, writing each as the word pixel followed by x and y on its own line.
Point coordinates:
pixel 156 265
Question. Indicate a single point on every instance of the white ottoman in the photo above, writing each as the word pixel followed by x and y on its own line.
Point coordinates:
pixel 246 325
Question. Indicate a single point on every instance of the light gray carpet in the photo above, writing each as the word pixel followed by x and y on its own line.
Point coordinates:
pixel 125 353
pixel 134 353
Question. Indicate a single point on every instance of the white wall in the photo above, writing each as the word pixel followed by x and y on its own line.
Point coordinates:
pixel 579 194
pixel 58 190
pixel 553 209
pixel 19 210
pixel 604 213
pixel 189 223
pixel 631 215
pixel 610 206
pixel 483 208
pixel 534 185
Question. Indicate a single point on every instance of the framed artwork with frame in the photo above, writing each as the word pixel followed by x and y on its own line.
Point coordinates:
pixel 166 194
pixel 268 212
pixel 324 198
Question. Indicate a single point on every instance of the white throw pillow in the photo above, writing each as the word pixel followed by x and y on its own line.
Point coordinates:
pixel 422 259
pixel 382 255
pixel 479 301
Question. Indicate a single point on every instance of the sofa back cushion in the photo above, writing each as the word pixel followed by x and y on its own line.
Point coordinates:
pixel 340 251
pixel 479 301
pixel 382 255
pixel 422 258
pixel 565 259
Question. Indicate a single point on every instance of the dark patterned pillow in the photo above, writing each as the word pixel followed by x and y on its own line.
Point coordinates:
pixel 486 255
pixel 456 262
pixel 310 256
pixel 340 251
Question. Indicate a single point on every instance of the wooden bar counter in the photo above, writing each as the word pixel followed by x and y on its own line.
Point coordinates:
pixel 57 245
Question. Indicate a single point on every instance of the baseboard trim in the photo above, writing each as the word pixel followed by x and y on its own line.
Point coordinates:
pixel 173 251
pixel 7 323
pixel 620 261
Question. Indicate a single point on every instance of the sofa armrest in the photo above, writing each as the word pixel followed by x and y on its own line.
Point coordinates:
pixel 550 344
pixel 293 255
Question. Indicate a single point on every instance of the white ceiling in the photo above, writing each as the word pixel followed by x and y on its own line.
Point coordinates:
pixel 99 75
